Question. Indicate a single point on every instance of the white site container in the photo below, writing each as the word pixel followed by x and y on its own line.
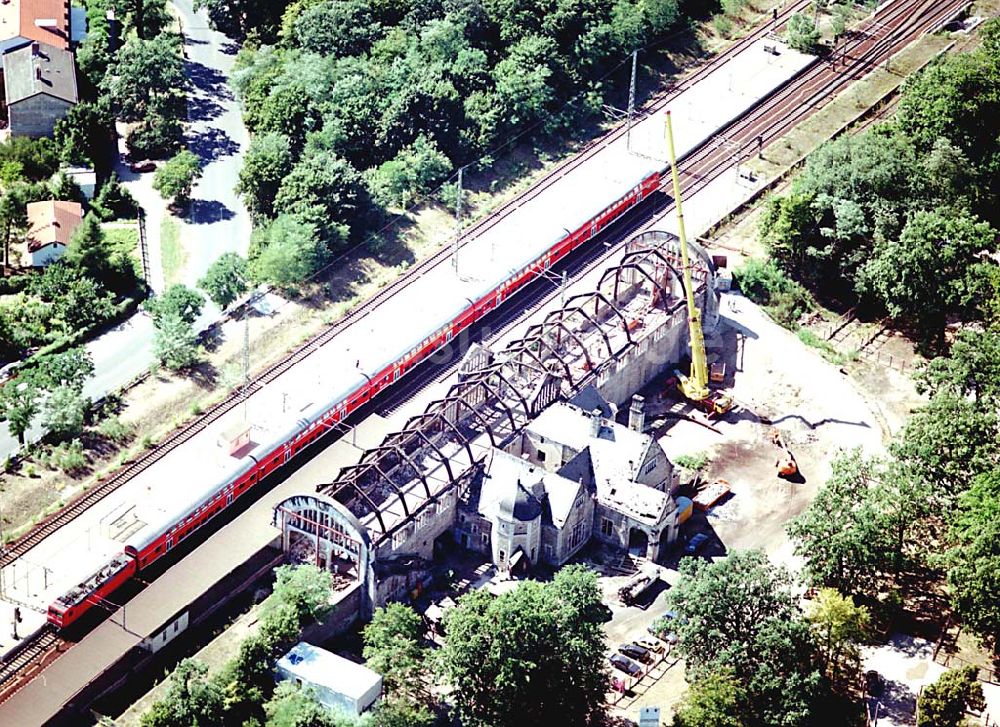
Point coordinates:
pixel 337 682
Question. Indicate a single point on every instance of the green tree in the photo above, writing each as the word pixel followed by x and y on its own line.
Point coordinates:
pixel 305 588
pixel 538 650
pixel 342 28
pixel 325 191
pixel 177 301
pixel 114 201
pixel 88 250
pixel 715 700
pixel 947 443
pixel 840 628
pixel 414 171
pixel 974 558
pixel 392 648
pixel 288 252
pixel 267 162
pixel 970 368
pixel 931 271
pixel 802 34
pixel 191 699
pixel 293 706
pixel 147 17
pixel 523 79
pixel 18 405
pixel 39 158
pixel 70 368
pixel 175 179
pixel 156 137
pixel 175 343
pixel 943 703
pixel 739 615
pixel 65 410
pixel 85 128
pixel 147 79
pixel 226 279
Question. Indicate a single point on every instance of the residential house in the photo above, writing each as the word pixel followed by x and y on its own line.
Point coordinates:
pixel 50 225
pixel 39 83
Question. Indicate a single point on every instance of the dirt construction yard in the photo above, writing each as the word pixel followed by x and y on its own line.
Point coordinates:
pixel 777 382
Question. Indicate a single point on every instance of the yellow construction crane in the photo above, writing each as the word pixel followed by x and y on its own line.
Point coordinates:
pixel 694 387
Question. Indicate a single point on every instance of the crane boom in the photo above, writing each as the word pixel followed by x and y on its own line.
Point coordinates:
pixel 694 386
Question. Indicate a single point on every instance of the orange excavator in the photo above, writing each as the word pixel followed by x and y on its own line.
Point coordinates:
pixel 694 386
pixel 785 464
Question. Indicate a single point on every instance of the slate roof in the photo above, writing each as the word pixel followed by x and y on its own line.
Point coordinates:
pixel 39 68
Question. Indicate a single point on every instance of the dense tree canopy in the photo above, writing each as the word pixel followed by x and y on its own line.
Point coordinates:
pixel 537 650
pixel 397 94
pixel 974 561
pixel 738 617
pixel 899 217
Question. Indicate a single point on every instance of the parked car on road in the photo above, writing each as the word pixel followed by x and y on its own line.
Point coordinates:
pixel 636 652
pixel 623 663
pixel 140 167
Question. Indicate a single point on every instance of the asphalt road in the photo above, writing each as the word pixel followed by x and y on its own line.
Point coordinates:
pixel 216 221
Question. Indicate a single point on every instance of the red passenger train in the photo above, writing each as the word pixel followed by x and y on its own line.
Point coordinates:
pixel 154 542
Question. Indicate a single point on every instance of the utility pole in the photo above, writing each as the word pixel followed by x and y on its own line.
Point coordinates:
pixel 458 222
pixel 246 359
pixel 631 101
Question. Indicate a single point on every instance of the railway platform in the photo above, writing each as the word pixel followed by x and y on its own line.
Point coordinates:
pixel 109 653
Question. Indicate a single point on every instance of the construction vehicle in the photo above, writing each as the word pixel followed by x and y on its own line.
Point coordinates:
pixel 785 464
pixel 638 584
pixel 694 386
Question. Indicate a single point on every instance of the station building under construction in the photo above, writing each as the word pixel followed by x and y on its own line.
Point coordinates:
pixel 523 458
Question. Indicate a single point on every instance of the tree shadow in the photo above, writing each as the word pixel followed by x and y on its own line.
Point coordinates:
pixel 207 211
pixel 203 374
pixel 203 108
pixel 347 279
pixel 898 703
pixel 208 80
pixel 212 144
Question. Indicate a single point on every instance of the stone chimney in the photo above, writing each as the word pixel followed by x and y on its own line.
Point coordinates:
pixel 637 414
pixel 595 423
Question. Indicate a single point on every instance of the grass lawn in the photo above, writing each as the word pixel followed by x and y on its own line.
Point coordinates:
pixel 172 254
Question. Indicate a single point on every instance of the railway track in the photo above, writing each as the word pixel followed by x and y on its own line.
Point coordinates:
pixel 53 522
pixel 902 21
pixel 14 670
pixel 898 25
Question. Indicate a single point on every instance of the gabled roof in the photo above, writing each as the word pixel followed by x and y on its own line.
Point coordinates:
pixel 45 21
pixel 38 68
pixel 52 223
